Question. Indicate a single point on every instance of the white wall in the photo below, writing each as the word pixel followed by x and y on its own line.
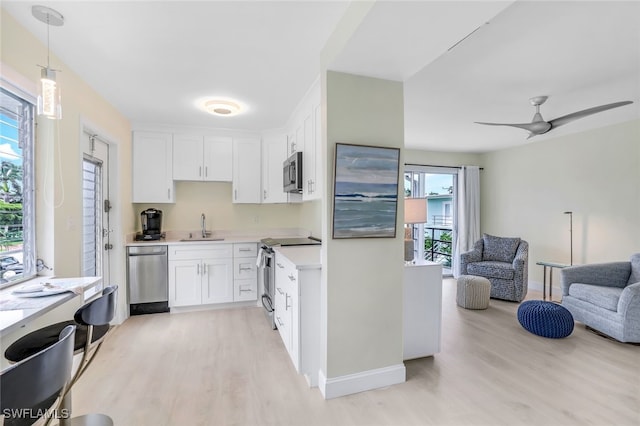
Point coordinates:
pixel 58 157
pixel 595 174
pixel 439 158
pixel 362 278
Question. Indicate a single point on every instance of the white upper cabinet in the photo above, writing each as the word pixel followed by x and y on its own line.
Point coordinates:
pixel 152 173
pixel 305 135
pixel 316 175
pixel 218 158
pixel 187 157
pixel 202 158
pixel 274 152
pixel 247 185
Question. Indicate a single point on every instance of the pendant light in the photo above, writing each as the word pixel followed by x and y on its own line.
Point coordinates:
pixel 48 90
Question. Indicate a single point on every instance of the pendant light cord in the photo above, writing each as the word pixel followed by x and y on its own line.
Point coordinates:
pixel 48 46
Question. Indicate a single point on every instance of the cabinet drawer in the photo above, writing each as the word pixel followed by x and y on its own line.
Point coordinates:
pixel 245 250
pixel 286 271
pixel 245 268
pixel 244 290
pixel 200 251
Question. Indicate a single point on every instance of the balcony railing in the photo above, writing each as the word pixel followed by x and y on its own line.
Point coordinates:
pixel 438 244
pixel 441 220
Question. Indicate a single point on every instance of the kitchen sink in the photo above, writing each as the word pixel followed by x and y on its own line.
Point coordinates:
pixel 196 239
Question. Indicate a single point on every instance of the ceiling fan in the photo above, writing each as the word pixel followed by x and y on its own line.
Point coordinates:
pixel 538 126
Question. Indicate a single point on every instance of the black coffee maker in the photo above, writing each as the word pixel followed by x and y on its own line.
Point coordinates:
pixel 151 220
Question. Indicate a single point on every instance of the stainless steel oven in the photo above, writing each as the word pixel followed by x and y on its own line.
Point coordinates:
pixel 266 266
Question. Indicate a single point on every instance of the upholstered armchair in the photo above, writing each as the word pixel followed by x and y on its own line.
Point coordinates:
pixel 503 261
pixel 605 297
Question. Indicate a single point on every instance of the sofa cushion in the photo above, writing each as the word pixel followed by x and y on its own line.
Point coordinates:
pixel 635 269
pixel 491 270
pixel 499 249
pixel 602 296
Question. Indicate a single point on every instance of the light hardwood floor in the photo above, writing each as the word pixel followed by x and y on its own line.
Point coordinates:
pixel 226 367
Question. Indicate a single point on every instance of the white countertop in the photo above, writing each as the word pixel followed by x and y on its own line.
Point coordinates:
pixel 12 319
pixel 421 262
pixel 221 236
pixel 304 257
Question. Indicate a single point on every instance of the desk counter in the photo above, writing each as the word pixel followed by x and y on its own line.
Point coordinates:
pixel 17 311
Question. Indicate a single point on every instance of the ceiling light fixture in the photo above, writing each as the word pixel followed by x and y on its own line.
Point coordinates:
pixel 222 107
pixel 48 90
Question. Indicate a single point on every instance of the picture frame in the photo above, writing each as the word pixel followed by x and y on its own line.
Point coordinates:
pixel 365 193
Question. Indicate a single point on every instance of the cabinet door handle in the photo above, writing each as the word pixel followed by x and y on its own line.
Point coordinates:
pixel 205 269
pixel 198 270
pixel 279 290
pixel 235 194
pixel 286 304
pixel 168 193
pixel 292 277
pixel 200 171
pixel 244 249
pixel 280 323
pixel 206 171
pixel 245 290
pixel 264 197
pixel 279 265
pixel 245 268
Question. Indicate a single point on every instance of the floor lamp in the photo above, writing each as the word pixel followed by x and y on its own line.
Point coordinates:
pixel 415 211
pixel 570 236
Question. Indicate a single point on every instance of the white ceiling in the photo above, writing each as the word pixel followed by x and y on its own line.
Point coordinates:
pixel 153 60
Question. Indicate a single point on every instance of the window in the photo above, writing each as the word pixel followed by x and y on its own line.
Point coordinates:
pixel 92 217
pixel 17 216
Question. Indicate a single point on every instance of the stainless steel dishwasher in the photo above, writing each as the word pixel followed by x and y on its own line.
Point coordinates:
pixel 147 276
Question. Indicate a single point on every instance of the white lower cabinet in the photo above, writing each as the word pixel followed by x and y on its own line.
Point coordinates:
pixel 185 284
pixel 217 281
pixel 202 274
pixel 245 272
pixel 297 311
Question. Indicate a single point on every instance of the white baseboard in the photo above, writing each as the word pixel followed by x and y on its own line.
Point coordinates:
pixel 536 285
pixel 359 382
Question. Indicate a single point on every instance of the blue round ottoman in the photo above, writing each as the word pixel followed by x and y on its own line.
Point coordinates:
pixel 546 319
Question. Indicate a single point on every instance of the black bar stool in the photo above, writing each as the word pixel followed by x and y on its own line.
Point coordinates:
pixel 30 388
pixel 92 321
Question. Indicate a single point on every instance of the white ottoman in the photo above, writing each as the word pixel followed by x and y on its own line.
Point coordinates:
pixel 473 292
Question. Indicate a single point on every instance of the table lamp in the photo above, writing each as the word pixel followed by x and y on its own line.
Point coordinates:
pixel 415 211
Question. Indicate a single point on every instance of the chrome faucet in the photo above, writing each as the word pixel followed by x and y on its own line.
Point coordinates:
pixel 204 228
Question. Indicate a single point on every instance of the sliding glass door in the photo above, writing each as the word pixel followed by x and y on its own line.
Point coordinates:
pixel 433 240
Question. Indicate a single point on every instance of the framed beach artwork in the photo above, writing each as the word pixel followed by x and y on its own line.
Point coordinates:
pixel 365 192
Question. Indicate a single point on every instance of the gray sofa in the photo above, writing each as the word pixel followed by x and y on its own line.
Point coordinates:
pixel 605 297
pixel 503 261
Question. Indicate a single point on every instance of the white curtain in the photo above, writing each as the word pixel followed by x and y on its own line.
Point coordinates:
pixel 468 211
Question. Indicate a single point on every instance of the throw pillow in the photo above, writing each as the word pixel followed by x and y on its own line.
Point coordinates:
pixel 499 249
pixel 635 269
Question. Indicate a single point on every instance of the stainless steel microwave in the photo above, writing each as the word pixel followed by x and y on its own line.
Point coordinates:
pixel 292 173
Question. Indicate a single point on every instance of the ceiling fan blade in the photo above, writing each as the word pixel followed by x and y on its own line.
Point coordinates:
pixel 585 112
pixel 526 126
